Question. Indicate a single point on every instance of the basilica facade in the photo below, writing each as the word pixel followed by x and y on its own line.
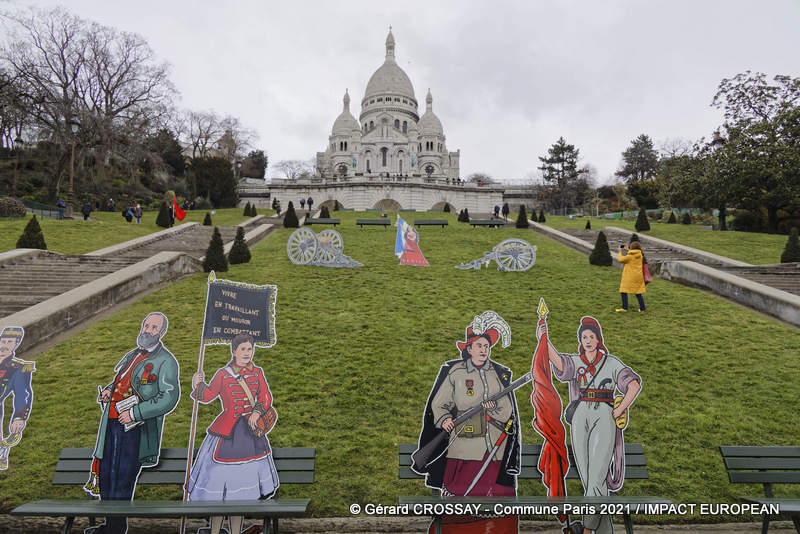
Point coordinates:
pixel 389 139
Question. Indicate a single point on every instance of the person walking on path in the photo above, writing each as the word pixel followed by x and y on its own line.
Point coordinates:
pixel 506 210
pixel 310 202
pixel 496 211
pixel 302 203
pixel 86 210
pixel 61 205
pixel 632 275
pixel 137 212
pixel 278 207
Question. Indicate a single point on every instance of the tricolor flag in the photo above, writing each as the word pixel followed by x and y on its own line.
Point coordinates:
pixel 400 240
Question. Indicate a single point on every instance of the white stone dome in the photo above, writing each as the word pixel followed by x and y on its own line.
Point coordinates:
pixel 390 78
pixel 429 123
pixel 345 123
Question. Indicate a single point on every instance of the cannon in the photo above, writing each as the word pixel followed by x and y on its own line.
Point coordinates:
pixel 510 255
pixel 323 249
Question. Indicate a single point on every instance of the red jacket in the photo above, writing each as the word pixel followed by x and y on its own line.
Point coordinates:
pixel 234 400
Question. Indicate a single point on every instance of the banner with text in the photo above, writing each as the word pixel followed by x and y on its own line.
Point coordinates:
pixel 234 308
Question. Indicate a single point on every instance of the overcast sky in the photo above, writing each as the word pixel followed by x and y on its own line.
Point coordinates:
pixel 507 78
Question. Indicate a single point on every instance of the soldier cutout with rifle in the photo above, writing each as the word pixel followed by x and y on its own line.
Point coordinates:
pixel 470 440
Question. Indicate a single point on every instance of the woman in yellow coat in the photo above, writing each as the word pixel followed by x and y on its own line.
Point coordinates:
pixel 632 277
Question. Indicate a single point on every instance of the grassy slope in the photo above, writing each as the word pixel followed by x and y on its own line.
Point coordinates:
pixel 751 247
pixel 79 236
pixel 358 350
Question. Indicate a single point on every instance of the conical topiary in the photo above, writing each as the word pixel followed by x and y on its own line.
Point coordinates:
pixel 446 208
pixel 290 219
pixel 642 224
pixel 207 219
pixel 253 212
pixel 246 210
pixel 634 237
pixel 239 253
pixel 274 203
pixel 542 217
pixel 790 254
pixel 672 219
pixel 588 225
pixel 466 215
pixel 324 213
pixel 600 255
pixel 687 219
pixel 522 218
pixel 163 219
pixel 32 236
pixel 215 254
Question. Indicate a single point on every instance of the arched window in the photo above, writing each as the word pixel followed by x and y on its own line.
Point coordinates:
pixel 396 124
pixel 384 151
pixel 342 170
pixel 420 147
pixel 345 145
pixel 368 167
pixel 405 126
pixel 401 165
pixel 371 125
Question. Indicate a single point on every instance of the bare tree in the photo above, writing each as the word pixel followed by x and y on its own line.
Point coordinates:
pixel 202 130
pixel 292 169
pixel 675 147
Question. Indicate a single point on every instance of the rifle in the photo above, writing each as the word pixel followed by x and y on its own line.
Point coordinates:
pixel 422 456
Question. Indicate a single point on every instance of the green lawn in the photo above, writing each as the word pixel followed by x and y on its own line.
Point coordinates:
pixel 751 247
pixel 358 349
pixel 103 229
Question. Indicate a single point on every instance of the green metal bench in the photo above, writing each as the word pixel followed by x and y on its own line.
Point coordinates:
pixel 334 222
pixel 487 222
pixel 294 465
pixel 767 466
pixel 373 222
pixel 431 222
pixel 635 469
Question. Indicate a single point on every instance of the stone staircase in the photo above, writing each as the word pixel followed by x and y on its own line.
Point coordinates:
pixel 32 280
pixel 783 276
pixel 654 253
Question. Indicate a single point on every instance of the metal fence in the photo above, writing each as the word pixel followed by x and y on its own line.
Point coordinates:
pixel 44 210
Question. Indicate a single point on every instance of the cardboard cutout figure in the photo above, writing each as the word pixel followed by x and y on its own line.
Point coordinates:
pixel 15 381
pixel 144 390
pixel 406 246
pixel 324 249
pixel 596 416
pixel 511 255
pixel 235 460
pixel 470 440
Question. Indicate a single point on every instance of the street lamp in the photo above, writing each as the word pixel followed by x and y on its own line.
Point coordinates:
pixel 238 170
pixel 73 126
pixel 18 144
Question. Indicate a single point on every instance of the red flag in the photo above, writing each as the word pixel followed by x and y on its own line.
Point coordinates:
pixel 553 461
pixel 179 213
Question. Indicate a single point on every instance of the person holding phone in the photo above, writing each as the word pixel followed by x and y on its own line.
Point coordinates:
pixel 632 277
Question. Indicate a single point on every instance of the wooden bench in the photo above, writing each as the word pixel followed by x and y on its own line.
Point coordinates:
pixel 767 466
pixel 334 222
pixel 294 465
pixel 487 222
pixel 635 469
pixel 431 222
pixel 373 222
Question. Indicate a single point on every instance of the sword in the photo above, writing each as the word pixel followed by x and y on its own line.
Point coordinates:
pixel 422 457
pixel 491 455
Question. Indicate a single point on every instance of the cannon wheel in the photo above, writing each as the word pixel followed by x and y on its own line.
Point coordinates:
pixel 330 246
pixel 514 255
pixel 302 246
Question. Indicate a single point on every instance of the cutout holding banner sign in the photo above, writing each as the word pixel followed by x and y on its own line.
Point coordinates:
pixel 511 255
pixel 144 391
pixel 15 382
pixel 235 460
pixel 597 417
pixel 470 443
pixel 406 245
pixel 324 249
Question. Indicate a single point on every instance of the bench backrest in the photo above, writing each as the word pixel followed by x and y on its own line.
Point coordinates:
pixel 487 222
pixel 762 465
pixel 385 222
pixel 635 464
pixel 323 221
pixel 295 466
pixel 444 222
